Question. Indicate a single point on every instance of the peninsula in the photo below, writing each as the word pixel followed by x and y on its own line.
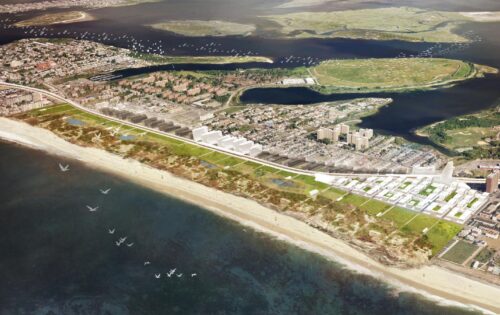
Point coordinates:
pixel 161 59
pixel 474 136
pixel 57 18
pixel 44 5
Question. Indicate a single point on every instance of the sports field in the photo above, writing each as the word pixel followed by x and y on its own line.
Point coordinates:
pixel 460 252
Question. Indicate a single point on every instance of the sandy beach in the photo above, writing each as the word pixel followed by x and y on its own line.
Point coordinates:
pixel 482 16
pixel 434 282
pixel 57 18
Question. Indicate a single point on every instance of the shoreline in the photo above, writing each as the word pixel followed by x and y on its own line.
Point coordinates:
pixel 438 284
pixel 36 21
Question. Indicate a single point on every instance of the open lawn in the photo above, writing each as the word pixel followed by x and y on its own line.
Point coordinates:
pixel 332 194
pixel 460 252
pixel 356 200
pixel 441 234
pixel 399 216
pixel 418 224
pixel 374 207
pixel 468 137
pixel 55 109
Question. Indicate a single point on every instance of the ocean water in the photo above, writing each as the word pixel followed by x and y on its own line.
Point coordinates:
pixel 57 257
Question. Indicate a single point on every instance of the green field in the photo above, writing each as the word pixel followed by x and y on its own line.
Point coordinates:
pixel 418 224
pixel 374 207
pixel 403 23
pixel 391 74
pixel 468 137
pixel 356 200
pixel 399 216
pixel 460 252
pixel 441 234
pixel 201 28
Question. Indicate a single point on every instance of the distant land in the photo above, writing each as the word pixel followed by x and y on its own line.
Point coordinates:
pixel 306 3
pixel 401 23
pixel 205 28
pixel 44 5
pixel 57 18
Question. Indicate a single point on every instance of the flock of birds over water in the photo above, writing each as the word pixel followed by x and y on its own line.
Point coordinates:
pixel 172 273
pixel 165 47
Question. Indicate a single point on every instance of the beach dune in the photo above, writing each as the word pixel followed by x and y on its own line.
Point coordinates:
pixel 434 282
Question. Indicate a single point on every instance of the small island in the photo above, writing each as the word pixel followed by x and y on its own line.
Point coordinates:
pixel 205 28
pixel 398 23
pixel 392 74
pixel 57 18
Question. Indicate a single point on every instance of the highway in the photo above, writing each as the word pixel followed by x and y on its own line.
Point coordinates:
pixel 213 147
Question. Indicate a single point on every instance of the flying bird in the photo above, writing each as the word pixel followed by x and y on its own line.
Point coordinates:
pixel 111 231
pixel 63 168
pixel 92 209
pixel 105 191
pixel 158 276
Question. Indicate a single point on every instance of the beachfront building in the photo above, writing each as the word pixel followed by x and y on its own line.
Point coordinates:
pixel 454 201
pixel 198 132
pixel 240 145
